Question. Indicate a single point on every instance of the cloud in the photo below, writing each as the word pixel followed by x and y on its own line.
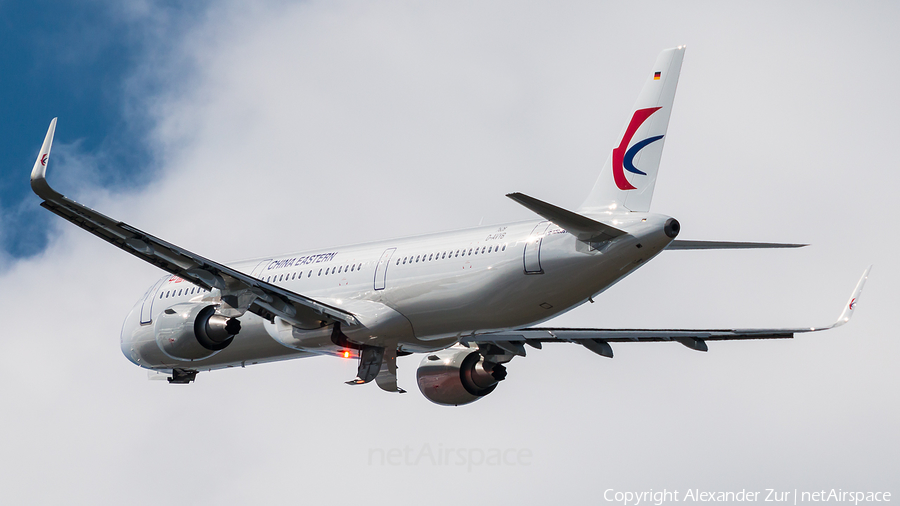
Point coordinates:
pixel 286 126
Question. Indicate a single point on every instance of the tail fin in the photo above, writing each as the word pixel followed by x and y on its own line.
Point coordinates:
pixel 629 175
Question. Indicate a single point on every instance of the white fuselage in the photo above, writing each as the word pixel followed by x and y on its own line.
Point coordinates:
pixel 440 287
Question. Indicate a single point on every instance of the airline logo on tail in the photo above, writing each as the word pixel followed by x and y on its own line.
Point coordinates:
pixel 623 156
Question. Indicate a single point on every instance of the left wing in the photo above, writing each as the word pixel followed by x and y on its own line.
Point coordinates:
pixel 597 340
pixel 240 292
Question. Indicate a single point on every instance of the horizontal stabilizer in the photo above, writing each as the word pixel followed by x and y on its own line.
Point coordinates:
pixel 679 244
pixel 582 227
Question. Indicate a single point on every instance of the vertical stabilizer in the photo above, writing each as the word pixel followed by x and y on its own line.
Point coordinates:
pixel 629 175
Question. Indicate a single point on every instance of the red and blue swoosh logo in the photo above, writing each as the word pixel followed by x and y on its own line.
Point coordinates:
pixel 623 156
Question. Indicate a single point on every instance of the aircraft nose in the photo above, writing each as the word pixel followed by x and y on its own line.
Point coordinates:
pixel 130 335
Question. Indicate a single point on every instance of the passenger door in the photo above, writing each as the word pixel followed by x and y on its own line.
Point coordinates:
pixel 533 248
pixel 381 268
pixel 147 304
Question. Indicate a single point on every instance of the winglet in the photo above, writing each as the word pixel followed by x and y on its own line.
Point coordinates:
pixel 854 300
pixel 39 172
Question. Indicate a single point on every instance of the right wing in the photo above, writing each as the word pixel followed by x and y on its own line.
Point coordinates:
pixel 597 340
pixel 240 292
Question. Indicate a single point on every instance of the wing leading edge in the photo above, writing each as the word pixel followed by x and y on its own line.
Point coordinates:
pixel 240 292
pixel 597 339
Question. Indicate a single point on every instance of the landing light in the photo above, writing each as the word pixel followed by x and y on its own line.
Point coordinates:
pixel 346 354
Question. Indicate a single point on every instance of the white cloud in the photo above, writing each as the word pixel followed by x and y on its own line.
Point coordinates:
pixel 293 126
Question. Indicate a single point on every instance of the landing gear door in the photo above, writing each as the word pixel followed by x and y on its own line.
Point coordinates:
pixel 147 304
pixel 381 268
pixel 533 249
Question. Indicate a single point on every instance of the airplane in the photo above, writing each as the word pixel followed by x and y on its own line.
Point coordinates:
pixel 468 300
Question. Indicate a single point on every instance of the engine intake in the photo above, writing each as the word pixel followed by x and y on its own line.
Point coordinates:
pixel 192 331
pixel 456 376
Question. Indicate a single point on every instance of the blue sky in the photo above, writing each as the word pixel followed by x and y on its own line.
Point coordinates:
pixel 77 61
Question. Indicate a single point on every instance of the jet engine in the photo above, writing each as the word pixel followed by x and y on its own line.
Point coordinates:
pixel 457 376
pixel 192 331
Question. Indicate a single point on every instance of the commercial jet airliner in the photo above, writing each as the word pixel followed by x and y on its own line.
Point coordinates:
pixel 468 300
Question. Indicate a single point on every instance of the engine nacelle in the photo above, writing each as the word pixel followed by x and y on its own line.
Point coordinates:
pixel 190 331
pixel 457 376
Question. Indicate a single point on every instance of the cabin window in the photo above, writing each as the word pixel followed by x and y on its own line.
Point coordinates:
pixel 352 268
pixel 161 295
pixel 476 251
pixel 340 268
pixel 470 251
pixel 418 257
pixel 320 272
pixel 360 266
pixel 431 257
pixel 310 274
pixel 404 260
pixel 281 278
pixel 482 249
pixel 504 248
pixel 444 255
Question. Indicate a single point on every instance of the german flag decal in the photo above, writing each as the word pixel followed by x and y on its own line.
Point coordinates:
pixel 656 76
